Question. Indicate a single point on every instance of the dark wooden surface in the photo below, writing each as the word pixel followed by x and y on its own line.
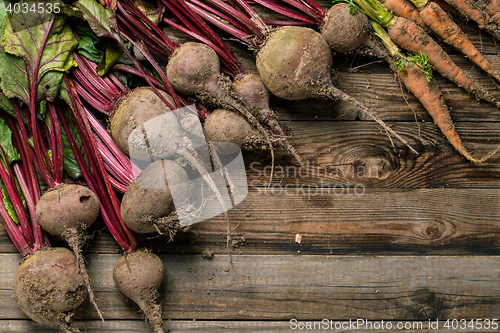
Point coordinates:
pixel 385 234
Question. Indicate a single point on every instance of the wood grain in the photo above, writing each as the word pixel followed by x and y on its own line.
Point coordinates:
pixel 424 221
pixel 300 286
pixel 214 326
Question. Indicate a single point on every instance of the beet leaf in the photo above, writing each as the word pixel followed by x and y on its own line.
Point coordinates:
pixel 12 156
pixel 89 44
pixel 45 43
pixel 101 20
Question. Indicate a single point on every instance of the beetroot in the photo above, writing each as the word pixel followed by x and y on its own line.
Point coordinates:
pixel 194 69
pixel 67 211
pixel 147 205
pixel 250 88
pixel 138 275
pixel 157 137
pixel 49 287
pixel 228 126
pixel 343 31
pixel 295 63
pixel 133 110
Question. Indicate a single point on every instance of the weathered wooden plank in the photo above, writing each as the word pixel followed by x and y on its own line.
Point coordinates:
pixel 176 326
pixel 359 153
pixel 377 222
pixel 306 287
pixel 349 153
pixel 425 221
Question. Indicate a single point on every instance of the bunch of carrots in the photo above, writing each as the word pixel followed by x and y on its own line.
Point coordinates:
pixel 408 31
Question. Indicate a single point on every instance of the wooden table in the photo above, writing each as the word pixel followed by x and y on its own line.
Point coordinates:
pixel 401 238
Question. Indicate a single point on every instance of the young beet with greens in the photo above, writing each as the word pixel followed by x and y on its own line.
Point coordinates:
pixel 144 208
pixel 129 110
pixel 102 21
pixel 201 78
pixel 192 69
pixel 141 110
pixel 295 63
pixel 36 52
pixel 176 143
pixel 48 284
pixel 344 28
pixel 137 273
pixel 247 86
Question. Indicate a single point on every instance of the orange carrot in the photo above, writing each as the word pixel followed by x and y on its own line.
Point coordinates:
pixel 447 7
pixel 470 10
pixel 431 15
pixel 428 93
pixel 492 8
pixel 443 26
pixel 412 38
pixel 404 8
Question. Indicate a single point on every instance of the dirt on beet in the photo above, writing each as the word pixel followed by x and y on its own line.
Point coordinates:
pixel 48 287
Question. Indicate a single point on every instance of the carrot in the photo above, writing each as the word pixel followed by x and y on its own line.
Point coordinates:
pixel 443 26
pixel 412 38
pixel 409 36
pixel 430 15
pixel 428 93
pixel 470 10
pixel 449 8
pixel 404 8
pixel 492 8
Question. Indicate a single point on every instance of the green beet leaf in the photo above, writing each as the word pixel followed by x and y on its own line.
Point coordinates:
pixel 101 20
pixel 89 44
pixel 152 12
pixel 6 105
pixel 112 52
pixel 38 47
pixel 71 165
pixel 6 143
pixel 12 156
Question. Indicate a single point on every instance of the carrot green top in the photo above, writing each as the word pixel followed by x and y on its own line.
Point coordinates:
pixel 420 3
pixel 386 40
pixel 376 11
